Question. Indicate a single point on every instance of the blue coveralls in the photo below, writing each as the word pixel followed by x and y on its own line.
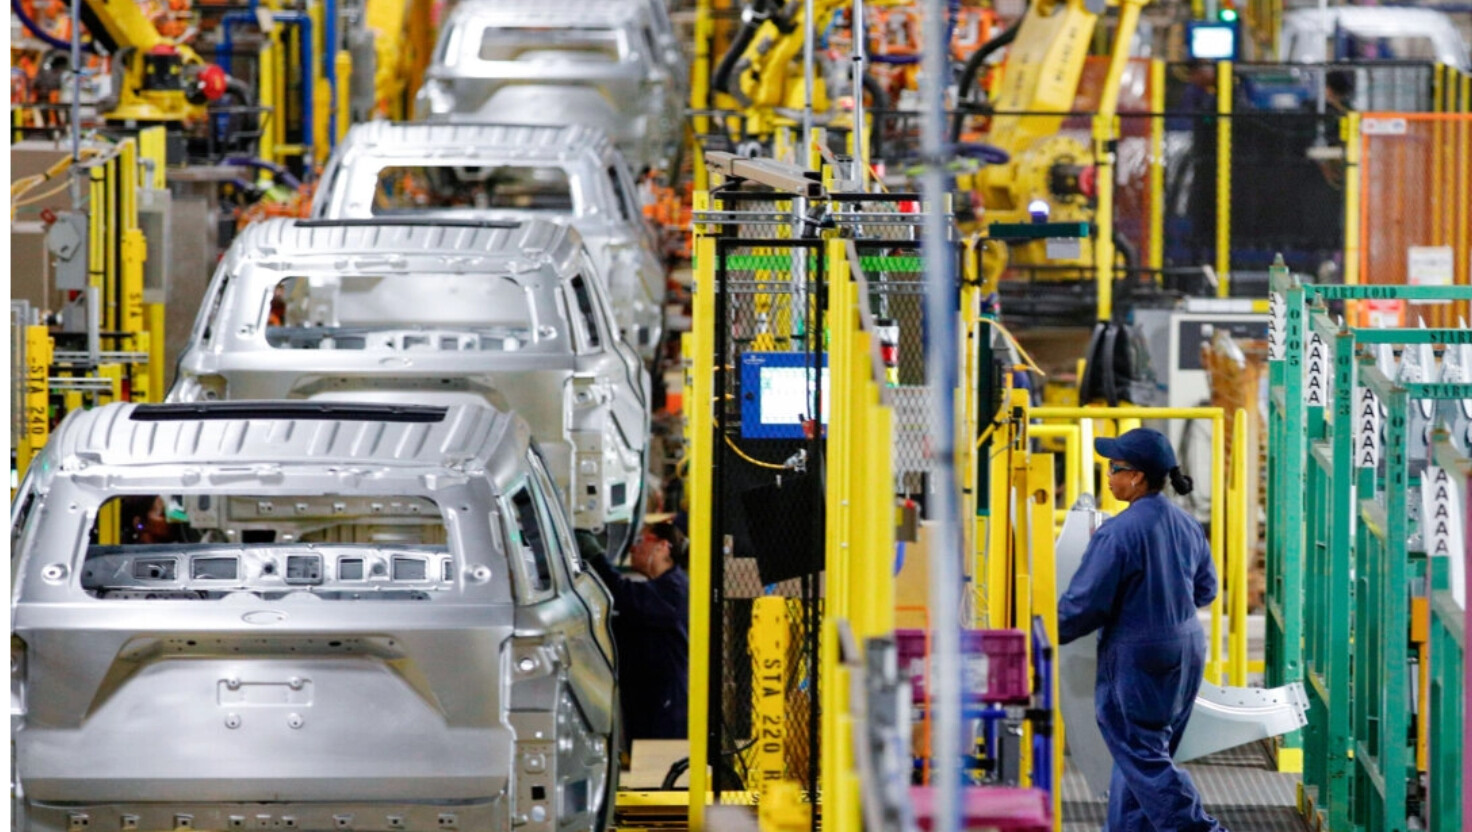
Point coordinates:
pixel 1142 578
pixel 651 632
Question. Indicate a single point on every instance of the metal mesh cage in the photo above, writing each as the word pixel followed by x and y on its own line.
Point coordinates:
pixel 768 457
pixel 768 507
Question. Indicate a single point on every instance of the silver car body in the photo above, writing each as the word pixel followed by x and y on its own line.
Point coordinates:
pixel 604 202
pixel 504 312
pixel 612 64
pixel 221 684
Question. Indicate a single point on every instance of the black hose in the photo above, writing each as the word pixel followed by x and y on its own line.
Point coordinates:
pixel 751 20
pixel 49 39
pixel 978 58
pixel 1126 248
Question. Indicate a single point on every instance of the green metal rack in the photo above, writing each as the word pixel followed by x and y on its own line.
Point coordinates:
pixel 1340 571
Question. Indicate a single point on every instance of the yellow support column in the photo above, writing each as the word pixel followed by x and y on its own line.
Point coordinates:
pixel 700 424
pixel 1214 664
pixel 96 238
pixel 152 145
pixel 1223 178
pixel 1237 554
pixel 266 82
pixel 155 348
pixel 838 785
pixel 1104 132
pixel 1353 142
pixel 107 524
pixel 344 73
pixel 1156 258
pixel 321 92
pixel 112 226
pixel 1040 487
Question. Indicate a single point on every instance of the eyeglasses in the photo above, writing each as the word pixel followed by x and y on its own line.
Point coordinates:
pixel 1116 468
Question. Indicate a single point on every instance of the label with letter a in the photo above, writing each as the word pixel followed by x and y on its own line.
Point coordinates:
pixel 1366 429
pixel 1316 374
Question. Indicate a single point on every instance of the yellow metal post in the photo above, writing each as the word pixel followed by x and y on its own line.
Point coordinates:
pixel 152 145
pixel 111 236
pixel 96 239
pixel 107 524
pixel 134 249
pixel 344 73
pixel 1156 259
pixel 317 87
pixel 838 786
pixel 156 351
pixel 1045 597
pixel 266 81
pixel 1223 179
pixel 700 424
pixel 1214 664
pixel 1105 131
pixel 1237 552
pixel 1353 143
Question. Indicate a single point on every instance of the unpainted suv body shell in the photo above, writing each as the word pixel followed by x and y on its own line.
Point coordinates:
pixel 605 207
pixel 450 685
pixel 408 312
pixel 612 64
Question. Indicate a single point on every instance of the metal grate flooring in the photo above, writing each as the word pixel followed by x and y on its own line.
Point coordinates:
pixel 1238 786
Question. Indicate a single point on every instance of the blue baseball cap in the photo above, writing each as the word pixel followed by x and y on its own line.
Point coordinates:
pixel 1143 448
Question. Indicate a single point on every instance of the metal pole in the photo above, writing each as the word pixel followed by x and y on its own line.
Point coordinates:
pixel 809 35
pixel 94 326
pixel 940 364
pixel 76 83
pixel 76 125
pixel 860 38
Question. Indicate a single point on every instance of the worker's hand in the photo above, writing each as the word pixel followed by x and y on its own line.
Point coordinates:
pixel 589 546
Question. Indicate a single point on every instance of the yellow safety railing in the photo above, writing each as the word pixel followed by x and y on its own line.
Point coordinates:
pixel 1228 613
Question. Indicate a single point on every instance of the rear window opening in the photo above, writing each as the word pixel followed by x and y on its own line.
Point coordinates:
pixel 552 45
pixel 408 313
pixel 423 188
pixel 202 547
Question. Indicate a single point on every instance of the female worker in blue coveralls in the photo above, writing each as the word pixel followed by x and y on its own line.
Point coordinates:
pixel 1141 580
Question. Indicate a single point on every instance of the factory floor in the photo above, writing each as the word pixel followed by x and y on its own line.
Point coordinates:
pixel 1239 787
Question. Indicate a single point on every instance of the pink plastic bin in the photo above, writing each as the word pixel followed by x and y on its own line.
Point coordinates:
pixel 990 807
pixel 994 665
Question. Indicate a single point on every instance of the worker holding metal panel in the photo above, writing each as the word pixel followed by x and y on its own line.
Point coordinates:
pixel 1143 576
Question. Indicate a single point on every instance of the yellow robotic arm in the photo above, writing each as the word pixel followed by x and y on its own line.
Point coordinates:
pixel 1039 81
pixel 763 69
pixel 160 81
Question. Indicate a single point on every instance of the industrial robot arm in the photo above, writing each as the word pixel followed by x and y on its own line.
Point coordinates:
pixel 159 80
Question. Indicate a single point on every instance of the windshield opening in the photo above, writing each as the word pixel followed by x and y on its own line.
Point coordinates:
pixel 403 313
pixel 419 188
pixel 202 546
pixel 551 45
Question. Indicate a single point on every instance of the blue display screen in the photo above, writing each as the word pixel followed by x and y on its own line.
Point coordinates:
pixel 777 394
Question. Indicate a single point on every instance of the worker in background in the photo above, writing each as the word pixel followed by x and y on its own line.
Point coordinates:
pixel 1142 578
pixel 651 629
